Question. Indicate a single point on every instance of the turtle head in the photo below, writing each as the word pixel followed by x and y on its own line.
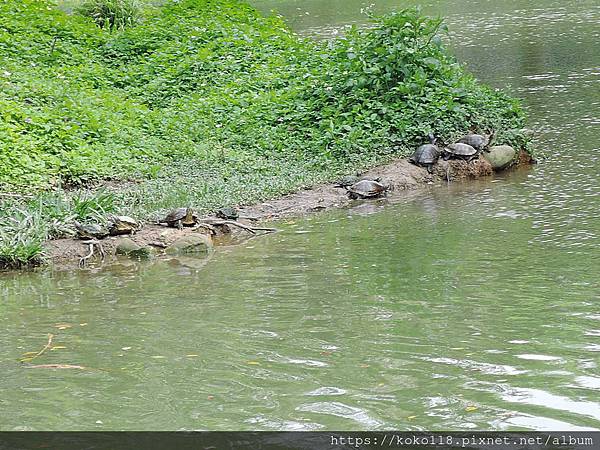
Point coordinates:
pixel 490 137
pixel 432 138
pixel 189 214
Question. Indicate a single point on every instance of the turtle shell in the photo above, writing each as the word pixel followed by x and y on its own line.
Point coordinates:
pixel 476 141
pixel 228 214
pixel 122 225
pixel 180 214
pixel 425 154
pixel 461 149
pixel 366 189
pixel 90 231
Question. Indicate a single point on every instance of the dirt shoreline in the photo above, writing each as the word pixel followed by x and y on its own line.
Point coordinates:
pixel 399 175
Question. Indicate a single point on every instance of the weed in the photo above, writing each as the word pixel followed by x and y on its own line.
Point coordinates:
pixel 111 14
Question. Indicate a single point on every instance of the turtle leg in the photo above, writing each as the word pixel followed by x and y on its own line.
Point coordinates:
pixel 179 224
pixel 430 168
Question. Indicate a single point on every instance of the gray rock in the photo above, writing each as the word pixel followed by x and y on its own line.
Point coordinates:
pixel 500 156
pixel 190 244
pixel 129 248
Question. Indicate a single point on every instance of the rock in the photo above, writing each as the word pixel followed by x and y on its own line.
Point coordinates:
pixel 192 243
pixel 500 156
pixel 129 248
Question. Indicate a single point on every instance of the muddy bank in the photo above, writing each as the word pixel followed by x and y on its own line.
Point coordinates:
pixel 399 175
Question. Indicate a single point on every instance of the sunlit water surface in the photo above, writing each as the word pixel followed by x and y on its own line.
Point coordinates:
pixel 473 306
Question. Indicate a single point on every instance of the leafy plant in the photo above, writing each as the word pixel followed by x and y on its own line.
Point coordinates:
pixel 21 240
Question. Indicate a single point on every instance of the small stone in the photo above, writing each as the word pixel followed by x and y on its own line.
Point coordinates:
pixel 129 248
pixel 190 244
pixel 500 156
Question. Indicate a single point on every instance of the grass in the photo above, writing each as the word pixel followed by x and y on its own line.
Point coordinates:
pixel 111 14
pixel 206 103
pixel 28 222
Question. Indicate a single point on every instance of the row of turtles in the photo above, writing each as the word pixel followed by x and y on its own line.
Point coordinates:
pixel 186 217
pixel 123 225
pixel 467 148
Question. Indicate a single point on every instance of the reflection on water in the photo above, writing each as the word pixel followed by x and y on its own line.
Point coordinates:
pixel 462 307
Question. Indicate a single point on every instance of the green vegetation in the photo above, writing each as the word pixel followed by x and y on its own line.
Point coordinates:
pixel 207 103
pixel 111 14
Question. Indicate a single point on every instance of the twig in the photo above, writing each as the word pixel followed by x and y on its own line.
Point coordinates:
pixel 432 35
pixel 93 243
pixel 56 366
pixel 12 195
pixel 41 352
pixel 53 45
pixel 207 226
pixel 252 218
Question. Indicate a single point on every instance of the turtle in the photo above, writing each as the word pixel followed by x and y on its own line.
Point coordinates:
pixel 426 155
pixel 366 189
pixel 118 225
pixel 460 151
pixel 228 213
pixel 349 180
pixel 478 141
pixel 181 217
pixel 90 231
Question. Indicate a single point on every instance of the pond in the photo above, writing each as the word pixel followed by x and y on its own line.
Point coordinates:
pixel 468 306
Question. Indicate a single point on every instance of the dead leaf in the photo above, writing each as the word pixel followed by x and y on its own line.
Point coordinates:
pixel 57 347
pixel 83 324
pixel 471 408
pixel 253 363
pixel 63 326
pixel 411 417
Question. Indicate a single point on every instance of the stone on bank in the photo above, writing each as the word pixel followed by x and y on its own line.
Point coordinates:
pixel 129 248
pixel 190 244
pixel 500 156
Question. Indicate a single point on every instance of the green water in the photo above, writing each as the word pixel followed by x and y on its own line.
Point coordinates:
pixel 473 306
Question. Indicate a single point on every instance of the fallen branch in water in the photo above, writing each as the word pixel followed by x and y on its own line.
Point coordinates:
pixel 55 366
pixel 249 229
pixel 41 352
